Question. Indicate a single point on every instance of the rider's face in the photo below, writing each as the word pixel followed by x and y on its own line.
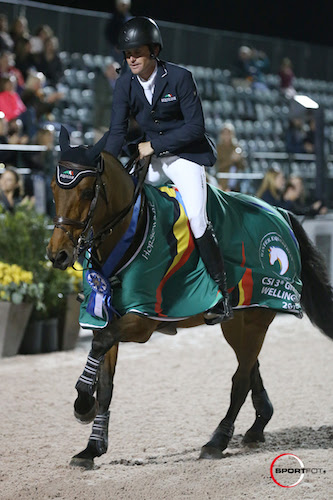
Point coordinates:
pixel 140 61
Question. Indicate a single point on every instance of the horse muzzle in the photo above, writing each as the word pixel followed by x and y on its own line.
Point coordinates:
pixel 61 259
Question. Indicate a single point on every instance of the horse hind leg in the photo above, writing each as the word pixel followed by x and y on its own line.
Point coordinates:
pixel 263 407
pixel 98 439
pixel 245 333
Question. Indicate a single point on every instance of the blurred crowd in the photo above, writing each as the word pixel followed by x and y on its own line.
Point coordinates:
pixel 29 65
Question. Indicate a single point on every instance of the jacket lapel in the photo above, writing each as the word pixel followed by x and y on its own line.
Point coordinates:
pixel 138 89
pixel 161 81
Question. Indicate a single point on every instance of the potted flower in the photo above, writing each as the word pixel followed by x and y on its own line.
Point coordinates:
pixel 61 312
pixel 24 235
pixel 18 295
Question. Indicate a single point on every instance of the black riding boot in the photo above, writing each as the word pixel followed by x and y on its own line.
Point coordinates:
pixel 213 260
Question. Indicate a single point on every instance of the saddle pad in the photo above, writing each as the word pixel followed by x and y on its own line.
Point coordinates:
pixel 167 279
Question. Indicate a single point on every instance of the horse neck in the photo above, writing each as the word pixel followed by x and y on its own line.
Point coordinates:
pixel 119 188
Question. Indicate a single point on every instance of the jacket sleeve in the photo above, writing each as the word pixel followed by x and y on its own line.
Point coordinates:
pixel 119 119
pixel 193 128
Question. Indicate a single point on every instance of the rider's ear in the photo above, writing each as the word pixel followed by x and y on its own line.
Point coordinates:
pixel 64 139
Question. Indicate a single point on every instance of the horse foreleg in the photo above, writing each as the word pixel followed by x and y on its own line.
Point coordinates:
pixel 85 405
pixel 129 328
pixel 262 405
pixel 98 440
pixel 245 334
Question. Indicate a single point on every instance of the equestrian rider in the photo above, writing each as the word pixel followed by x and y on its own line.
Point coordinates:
pixel 164 100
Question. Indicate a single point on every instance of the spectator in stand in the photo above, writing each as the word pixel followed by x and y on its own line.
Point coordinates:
pixel 49 61
pixel 272 186
pixel 6 42
pixel 7 67
pixel 19 29
pixel 5 156
pixel 120 16
pixel 42 33
pixel 10 133
pixel 250 69
pixel 16 133
pixel 230 157
pixel 11 103
pixel 295 199
pixel 24 60
pixel 40 159
pixel 43 162
pixel 287 76
pixel 104 86
pixel 39 106
pixel 295 136
pixel 11 189
pixel 309 139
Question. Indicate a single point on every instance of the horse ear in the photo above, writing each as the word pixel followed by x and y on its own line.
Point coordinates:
pixel 64 139
pixel 97 148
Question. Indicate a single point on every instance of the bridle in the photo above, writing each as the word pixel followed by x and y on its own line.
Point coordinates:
pixel 61 221
pixel 87 238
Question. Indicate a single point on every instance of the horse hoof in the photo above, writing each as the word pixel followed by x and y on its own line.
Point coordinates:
pixel 210 453
pixel 253 437
pixel 88 417
pixel 84 463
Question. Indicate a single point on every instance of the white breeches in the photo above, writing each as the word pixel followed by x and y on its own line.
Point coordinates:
pixel 190 180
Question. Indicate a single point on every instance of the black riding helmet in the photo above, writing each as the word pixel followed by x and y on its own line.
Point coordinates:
pixel 139 31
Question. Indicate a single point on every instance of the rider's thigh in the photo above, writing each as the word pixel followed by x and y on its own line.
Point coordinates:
pixel 156 175
pixel 190 180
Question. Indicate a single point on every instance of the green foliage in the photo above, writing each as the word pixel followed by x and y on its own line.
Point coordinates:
pixel 24 236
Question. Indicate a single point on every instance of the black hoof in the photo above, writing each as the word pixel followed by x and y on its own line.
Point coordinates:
pixel 84 463
pixel 210 453
pixel 253 437
pixel 86 413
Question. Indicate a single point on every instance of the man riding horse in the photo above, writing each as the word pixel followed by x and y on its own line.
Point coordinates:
pixel 164 100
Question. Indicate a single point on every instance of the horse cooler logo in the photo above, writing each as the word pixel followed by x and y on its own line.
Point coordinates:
pixel 274 252
pixel 277 254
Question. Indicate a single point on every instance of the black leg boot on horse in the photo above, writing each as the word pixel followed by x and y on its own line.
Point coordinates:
pixel 212 258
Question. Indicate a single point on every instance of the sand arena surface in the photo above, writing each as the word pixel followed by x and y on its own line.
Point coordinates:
pixel 169 396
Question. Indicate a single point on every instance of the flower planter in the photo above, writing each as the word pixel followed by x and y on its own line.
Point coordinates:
pixel 13 321
pixel 50 335
pixel 69 327
pixel 32 340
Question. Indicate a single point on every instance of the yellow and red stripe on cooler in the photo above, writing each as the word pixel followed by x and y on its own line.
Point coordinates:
pixel 184 244
pixel 245 285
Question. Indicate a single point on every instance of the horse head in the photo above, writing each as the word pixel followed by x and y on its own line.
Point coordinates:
pixel 74 191
pixel 90 201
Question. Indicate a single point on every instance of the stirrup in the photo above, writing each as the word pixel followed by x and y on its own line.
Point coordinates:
pixel 222 311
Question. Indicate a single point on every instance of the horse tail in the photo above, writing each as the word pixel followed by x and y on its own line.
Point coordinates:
pixel 317 292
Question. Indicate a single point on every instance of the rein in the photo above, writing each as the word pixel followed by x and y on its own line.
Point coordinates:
pixel 87 239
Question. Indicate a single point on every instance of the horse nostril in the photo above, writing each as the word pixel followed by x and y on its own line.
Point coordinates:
pixel 61 261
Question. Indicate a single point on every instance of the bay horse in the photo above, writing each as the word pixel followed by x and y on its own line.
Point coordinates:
pixel 94 206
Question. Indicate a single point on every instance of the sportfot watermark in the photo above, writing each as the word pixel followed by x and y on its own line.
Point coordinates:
pixel 287 470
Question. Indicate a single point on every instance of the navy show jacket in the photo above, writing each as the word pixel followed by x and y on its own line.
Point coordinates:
pixel 173 123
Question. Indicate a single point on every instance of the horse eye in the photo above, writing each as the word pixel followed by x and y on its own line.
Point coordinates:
pixel 87 194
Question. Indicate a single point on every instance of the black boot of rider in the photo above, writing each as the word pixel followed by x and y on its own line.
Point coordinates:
pixel 212 258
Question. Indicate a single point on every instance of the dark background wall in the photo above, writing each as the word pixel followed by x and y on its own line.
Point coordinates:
pixel 83 31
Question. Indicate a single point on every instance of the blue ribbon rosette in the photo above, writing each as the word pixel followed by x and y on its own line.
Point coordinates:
pixel 100 300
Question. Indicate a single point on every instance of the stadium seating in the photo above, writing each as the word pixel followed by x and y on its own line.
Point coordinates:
pixel 260 118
